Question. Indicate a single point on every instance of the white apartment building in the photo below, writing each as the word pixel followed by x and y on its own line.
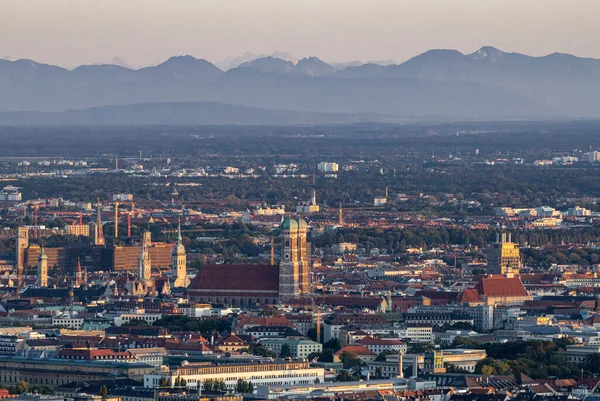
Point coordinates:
pixel 578 211
pixel 420 334
pixel 379 345
pixel 150 356
pixel 590 157
pixel 328 167
pixel 482 315
pixel 67 321
pixel 299 348
pixel 9 344
pixel 122 197
pixel 196 310
pixel 578 353
pixel 138 314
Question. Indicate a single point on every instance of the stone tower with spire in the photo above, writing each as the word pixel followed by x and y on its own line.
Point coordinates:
pixel 78 275
pixel 144 263
pixel 43 269
pixel 179 262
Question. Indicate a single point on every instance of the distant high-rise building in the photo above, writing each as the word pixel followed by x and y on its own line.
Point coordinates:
pixel 42 269
pixel 122 197
pixel 328 167
pixel 591 157
pixel 10 193
pixel 504 257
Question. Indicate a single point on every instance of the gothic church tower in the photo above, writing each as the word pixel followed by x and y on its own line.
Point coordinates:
pixel 144 264
pixel 178 263
pixel 43 269
pixel 294 268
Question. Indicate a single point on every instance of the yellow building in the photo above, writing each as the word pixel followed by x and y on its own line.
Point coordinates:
pixel 78 229
pixel 504 257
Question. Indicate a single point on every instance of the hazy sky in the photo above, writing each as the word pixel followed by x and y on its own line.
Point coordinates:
pixel 72 32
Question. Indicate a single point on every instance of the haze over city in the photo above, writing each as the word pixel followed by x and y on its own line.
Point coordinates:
pixel 146 32
pixel 299 200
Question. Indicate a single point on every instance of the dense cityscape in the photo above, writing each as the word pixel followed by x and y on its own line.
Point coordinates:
pixel 299 200
pixel 422 262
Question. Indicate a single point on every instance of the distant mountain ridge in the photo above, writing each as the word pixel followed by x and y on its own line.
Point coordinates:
pixel 311 66
pixel 182 113
pixel 485 84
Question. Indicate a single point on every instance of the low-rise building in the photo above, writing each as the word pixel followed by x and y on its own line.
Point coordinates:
pixel 150 356
pixel 579 353
pixel 298 348
pixel 265 373
pixel 379 345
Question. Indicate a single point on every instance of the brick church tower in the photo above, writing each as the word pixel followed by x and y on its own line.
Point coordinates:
pixel 294 267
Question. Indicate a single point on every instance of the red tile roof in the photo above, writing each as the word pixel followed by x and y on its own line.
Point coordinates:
pixel 93 354
pixel 357 350
pixel 237 277
pixel 233 340
pixel 378 341
pixel 469 296
pixel 500 286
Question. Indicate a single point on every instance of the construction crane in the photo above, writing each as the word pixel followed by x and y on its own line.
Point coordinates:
pixel 194 230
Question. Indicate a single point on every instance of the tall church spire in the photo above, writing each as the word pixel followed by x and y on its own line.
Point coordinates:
pixel 78 275
pixel 179 262
pixel 144 265
pixel 99 233
pixel 43 269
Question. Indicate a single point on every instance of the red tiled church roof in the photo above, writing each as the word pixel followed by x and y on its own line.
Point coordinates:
pixel 237 277
pixel 500 286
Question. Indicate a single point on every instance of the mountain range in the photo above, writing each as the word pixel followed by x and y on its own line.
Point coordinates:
pixel 447 84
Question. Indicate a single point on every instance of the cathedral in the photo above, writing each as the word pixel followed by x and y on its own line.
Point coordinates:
pixel 248 284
